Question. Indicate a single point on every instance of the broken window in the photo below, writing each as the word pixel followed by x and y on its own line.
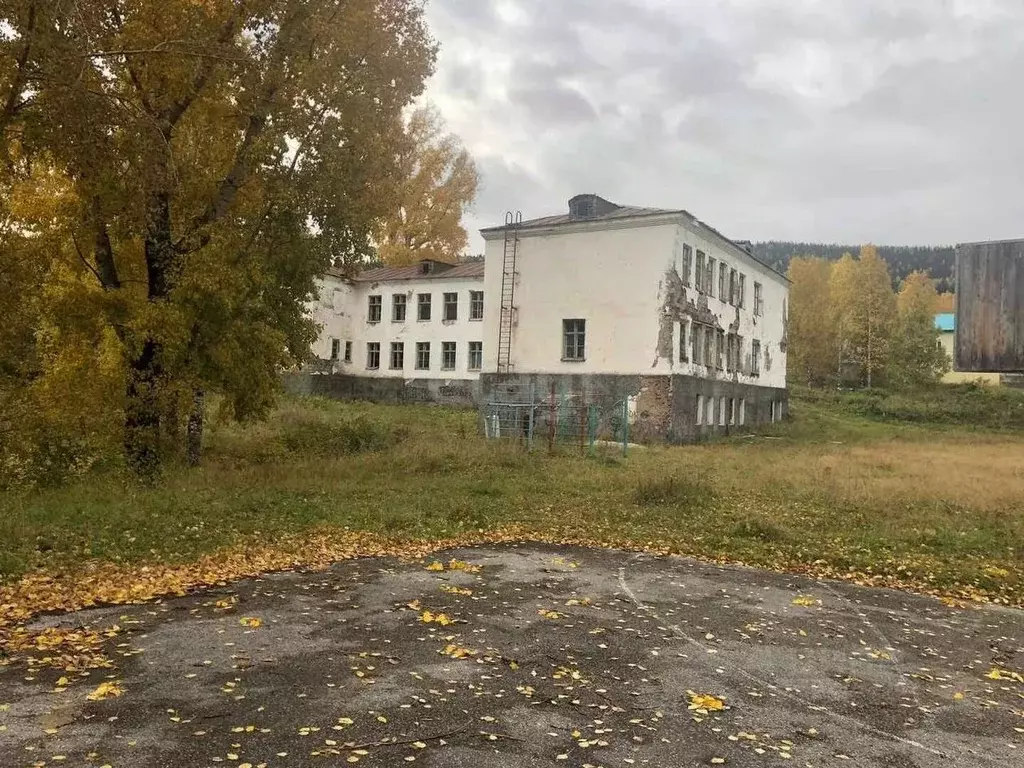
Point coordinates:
pixel 448 355
pixel 423 306
pixel 476 305
pixel 574 337
pixel 398 304
pixel 742 302
pixel 476 355
pixel 422 355
pixel 709 346
pixel 687 265
pixel 397 355
pixel 732 410
pixel 373 355
pixel 335 349
pixel 730 342
pixel 733 286
pixel 710 288
pixel 700 409
pixel 743 411
pixel 451 306
pixel 739 355
pixel 758 300
pixel 348 351
pixel 698 337
pixel 719 348
pixel 376 304
pixel 698 277
pixel 682 341
pixel 723 282
pixel 711 411
pixel 721 411
pixel 755 358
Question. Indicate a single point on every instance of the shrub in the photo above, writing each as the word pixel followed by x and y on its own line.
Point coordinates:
pixel 674 492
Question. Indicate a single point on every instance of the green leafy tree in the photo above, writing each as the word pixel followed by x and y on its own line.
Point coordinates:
pixel 217 156
pixel 918 358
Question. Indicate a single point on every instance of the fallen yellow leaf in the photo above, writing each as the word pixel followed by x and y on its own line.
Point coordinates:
pixel 250 621
pixel 105 690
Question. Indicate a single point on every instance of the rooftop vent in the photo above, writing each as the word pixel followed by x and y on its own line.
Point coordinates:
pixel 746 245
pixel 590 207
pixel 426 267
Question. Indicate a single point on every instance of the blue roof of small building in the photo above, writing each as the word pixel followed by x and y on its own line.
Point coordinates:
pixel 946 321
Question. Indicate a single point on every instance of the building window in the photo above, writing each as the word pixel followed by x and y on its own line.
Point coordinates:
pixel 738 367
pixel 397 355
pixel 451 306
pixel 755 358
pixel 687 266
pixel 398 303
pixel 376 304
pixel 719 348
pixel 373 355
pixel 700 409
pixel 476 305
pixel 732 410
pixel 743 292
pixel 709 347
pixel 476 355
pixel 574 338
pixel 335 349
pixel 743 411
pixel 448 356
pixel 348 351
pixel 711 411
pixel 723 282
pixel 682 341
pixel 423 355
pixel 711 278
pixel 698 277
pixel 423 306
pixel 730 342
pixel 733 286
pixel 758 300
pixel 698 336
pixel 773 411
pixel 721 411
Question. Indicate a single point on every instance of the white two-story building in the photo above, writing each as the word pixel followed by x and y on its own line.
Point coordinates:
pixel 648 305
pixel 604 304
pixel 412 333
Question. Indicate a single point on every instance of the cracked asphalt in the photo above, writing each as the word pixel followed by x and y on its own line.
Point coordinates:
pixel 555 656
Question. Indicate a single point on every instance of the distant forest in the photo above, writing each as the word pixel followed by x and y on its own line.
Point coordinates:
pixel 937 261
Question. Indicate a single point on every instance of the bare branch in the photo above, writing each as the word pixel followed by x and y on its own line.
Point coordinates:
pixel 14 102
pixel 85 261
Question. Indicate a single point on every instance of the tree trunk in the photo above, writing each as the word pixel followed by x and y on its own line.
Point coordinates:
pixel 142 414
pixel 142 395
pixel 194 434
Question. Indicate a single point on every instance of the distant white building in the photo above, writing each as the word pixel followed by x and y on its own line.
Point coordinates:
pixel 605 303
pixel 405 333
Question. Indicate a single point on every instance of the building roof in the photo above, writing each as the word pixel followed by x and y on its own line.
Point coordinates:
pixel 946 322
pixel 437 271
pixel 602 210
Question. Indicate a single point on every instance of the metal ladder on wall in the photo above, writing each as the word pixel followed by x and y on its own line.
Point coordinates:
pixel 506 321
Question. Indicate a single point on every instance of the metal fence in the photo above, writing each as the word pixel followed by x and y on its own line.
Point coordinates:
pixel 556 419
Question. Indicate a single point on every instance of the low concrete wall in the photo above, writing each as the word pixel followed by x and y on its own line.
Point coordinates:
pixel 660 408
pixel 451 392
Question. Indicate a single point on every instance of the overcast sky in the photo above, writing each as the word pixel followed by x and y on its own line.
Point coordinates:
pixel 890 121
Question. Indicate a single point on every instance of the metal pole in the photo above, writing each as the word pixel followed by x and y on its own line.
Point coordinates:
pixel 533 413
pixel 625 426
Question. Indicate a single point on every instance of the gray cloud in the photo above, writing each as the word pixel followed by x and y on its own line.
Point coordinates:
pixel 809 119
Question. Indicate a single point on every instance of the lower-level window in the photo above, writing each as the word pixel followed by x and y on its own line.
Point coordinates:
pixel 743 411
pixel 574 338
pixel 448 355
pixel 700 409
pixel 711 411
pixel 476 355
pixel 348 351
pixel 721 411
pixel 423 355
pixel 335 349
pixel 373 355
pixel 397 355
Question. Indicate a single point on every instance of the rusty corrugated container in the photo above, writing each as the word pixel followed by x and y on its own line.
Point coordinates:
pixel 990 306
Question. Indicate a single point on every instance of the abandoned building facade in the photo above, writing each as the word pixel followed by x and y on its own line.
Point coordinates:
pixel 604 304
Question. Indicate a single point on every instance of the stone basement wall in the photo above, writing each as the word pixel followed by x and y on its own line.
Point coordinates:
pixel 461 394
pixel 662 408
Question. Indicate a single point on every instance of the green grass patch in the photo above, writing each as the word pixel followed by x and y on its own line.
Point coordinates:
pixel 842 483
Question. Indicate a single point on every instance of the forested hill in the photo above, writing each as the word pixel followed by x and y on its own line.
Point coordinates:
pixel 938 261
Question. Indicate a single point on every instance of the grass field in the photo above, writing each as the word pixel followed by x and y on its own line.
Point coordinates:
pixel 845 486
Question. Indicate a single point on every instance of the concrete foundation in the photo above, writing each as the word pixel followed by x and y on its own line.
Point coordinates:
pixel 451 392
pixel 659 408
